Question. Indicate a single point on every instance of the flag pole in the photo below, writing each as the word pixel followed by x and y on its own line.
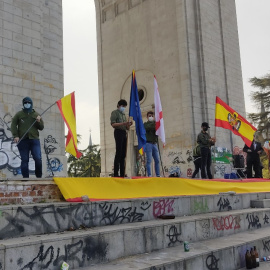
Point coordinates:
pixel 215 133
pixel 126 153
pixel 161 160
pixel 34 123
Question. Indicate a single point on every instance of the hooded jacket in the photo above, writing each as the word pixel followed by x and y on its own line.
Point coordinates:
pixel 22 121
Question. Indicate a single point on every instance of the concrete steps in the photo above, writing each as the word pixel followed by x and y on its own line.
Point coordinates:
pixel 23 220
pixel 103 244
pixel 263 203
pixel 225 253
pixel 101 234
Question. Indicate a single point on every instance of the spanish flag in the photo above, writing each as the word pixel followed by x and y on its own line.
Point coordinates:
pixel 227 118
pixel 66 106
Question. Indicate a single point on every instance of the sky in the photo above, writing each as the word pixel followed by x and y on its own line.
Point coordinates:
pixel 80 56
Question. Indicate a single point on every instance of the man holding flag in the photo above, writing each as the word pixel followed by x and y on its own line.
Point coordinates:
pixel 120 125
pixel 25 128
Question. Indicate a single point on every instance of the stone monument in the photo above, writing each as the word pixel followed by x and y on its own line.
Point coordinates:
pixel 193 49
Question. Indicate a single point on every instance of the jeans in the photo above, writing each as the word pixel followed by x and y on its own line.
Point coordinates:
pixel 25 147
pixel 206 162
pixel 120 137
pixel 151 150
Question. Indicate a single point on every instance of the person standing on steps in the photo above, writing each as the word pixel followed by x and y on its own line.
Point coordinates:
pixel 121 125
pixel 151 147
pixel 253 158
pixel 205 142
pixel 27 138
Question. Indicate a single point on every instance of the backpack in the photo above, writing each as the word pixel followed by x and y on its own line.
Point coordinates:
pixel 197 151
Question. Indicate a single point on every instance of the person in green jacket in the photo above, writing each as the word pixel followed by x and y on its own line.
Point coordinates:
pixel 151 147
pixel 121 125
pixel 205 142
pixel 28 140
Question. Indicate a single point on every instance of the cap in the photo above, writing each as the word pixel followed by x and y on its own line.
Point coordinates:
pixel 205 124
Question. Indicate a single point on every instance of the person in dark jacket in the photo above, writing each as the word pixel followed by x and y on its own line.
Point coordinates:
pixel 121 125
pixel 205 142
pixel 151 147
pixel 253 158
pixel 28 140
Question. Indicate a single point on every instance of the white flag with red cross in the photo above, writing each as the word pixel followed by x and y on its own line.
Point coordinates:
pixel 160 131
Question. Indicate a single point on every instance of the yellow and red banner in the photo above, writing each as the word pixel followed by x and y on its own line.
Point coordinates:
pixel 66 106
pixel 228 118
pixel 109 188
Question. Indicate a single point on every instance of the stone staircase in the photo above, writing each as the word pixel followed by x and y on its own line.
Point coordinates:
pixel 136 234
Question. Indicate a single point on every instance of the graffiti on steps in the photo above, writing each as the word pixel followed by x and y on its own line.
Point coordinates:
pixel 224 203
pixel 226 223
pixel 200 206
pixel 253 221
pixel 89 249
pixel 265 219
pixel 115 215
pixel 212 262
pixel 173 235
pixel 163 207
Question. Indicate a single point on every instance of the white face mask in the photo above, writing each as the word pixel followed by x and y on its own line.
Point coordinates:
pixel 122 109
pixel 27 105
pixel 151 118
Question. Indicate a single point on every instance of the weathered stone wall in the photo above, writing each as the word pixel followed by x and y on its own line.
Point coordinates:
pixel 192 48
pixel 31 64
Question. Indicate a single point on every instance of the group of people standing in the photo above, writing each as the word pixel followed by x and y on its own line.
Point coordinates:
pixel 120 124
pixel 201 153
pixel 26 124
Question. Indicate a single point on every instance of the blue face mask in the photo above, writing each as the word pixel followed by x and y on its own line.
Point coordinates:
pixel 122 109
pixel 27 105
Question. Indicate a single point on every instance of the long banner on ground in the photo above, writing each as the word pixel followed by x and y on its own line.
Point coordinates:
pixel 107 188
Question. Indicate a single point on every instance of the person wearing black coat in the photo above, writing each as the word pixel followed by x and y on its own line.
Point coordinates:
pixel 253 158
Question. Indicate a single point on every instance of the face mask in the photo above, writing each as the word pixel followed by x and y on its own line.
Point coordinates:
pixel 27 105
pixel 151 118
pixel 122 109
pixel 205 128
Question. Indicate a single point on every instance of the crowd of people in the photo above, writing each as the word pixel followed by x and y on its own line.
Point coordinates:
pixel 201 153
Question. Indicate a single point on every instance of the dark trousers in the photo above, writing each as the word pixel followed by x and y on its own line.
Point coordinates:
pixel 253 161
pixel 25 147
pixel 206 162
pixel 197 164
pixel 120 137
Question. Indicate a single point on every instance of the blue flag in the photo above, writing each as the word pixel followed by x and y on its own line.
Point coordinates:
pixel 135 112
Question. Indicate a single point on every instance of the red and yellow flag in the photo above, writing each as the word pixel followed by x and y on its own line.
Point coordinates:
pixel 227 118
pixel 66 106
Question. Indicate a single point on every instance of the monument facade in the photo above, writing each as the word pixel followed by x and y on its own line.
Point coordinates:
pixel 193 49
pixel 31 64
